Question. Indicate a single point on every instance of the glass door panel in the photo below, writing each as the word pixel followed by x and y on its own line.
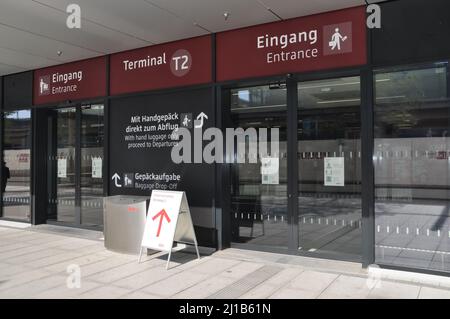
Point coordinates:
pixel 329 167
pixel 412 167
pixel 65 165
pixel 16 165
pixel 92 137
pixel 259 214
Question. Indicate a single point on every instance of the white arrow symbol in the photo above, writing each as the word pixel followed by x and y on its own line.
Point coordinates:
pixel 200 118
pixel 115 178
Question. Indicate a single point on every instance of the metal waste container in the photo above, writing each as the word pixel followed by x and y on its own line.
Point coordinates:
pixel 124 222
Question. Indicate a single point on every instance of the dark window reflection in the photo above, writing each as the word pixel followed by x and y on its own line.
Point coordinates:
pixel 64 165
pixel 259 200
pixel 412 167
pixel 92 136
pixel 16 165
pixel 329 199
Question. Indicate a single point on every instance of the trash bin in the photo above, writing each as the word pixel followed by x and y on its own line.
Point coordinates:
pixel 124 222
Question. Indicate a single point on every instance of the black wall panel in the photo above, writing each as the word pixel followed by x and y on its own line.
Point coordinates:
pixel 130 162
pixel 1 91
pixel 412 31
pixel 18 90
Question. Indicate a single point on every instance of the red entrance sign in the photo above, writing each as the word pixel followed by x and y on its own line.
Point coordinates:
pixel 71 81
pixel 178 63
pixel 323 41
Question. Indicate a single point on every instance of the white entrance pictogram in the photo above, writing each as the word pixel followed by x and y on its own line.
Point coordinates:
pixel 336 40
pixel 43 86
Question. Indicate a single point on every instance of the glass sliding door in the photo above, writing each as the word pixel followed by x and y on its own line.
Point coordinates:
pixel 329 167
pixel 75 172
pixel 412 167
pixel 64 166
pixel 259 214
pixel 16 166
pixel 92 137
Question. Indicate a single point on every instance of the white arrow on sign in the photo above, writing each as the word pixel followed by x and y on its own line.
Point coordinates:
pixel 200 118
pixel 116 178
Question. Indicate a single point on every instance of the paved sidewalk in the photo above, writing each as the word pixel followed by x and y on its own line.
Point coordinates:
pixel 34 261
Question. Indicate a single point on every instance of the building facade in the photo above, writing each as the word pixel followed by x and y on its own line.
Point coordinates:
pixel 363 167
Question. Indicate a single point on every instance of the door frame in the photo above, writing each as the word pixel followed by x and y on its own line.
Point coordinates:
pixel 48 171
pixel 367 177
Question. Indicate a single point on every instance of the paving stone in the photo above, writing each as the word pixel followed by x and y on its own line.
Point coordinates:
pixel 205 288
pixel 175 284
pixel 33 256
pixel 22 278
pixel 105 292
pixel 81 261
pixel 215 265
pixel 394 290
pixel 146 278
pixel 284 276
pixel 139 295
pixel 124 271
pixel 30 289
pixel 262 291
pixel 434 293
pixel 103 265
pixel 63 292
pixel 290 293
pixel 241 270
pixel 247 283
pixel 51 260
pixel 312 281
pixel 33 264
pixel 347 287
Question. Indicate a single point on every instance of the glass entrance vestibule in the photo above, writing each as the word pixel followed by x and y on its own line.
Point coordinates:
pixel 319 204
pixel 326 217
pixel 75 184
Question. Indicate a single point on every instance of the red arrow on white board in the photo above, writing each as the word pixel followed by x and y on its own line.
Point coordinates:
pixel 162 214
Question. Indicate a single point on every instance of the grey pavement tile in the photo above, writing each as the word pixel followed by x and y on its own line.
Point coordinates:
pixel 174 284
pixel 80 261
pixel 63 292
pixel 312 281
pixel 103 265
pixel 205 288
pixel 51 260
pixel 262 291
pixel 394 290
pixel 34 264
pixel 215 265
pixel 5 256
pixel 241 270
pixel 104 292
pixel 273 284
pixel 12 246
pixel 347 287
pixel 145 278
pixel 22 278
pixel 30 289
pixel 139 295
pixel 284 276
pixel 124 271
pixel 290 293
pixel 7 270
pixel 33 256
pixel 245 284
pixel 434 293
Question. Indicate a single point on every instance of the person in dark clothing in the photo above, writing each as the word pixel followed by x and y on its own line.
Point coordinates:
pixel 5 176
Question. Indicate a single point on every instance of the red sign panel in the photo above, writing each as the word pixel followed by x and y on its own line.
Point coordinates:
pixel 178 63
pixel 323 41
pixel 71 81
